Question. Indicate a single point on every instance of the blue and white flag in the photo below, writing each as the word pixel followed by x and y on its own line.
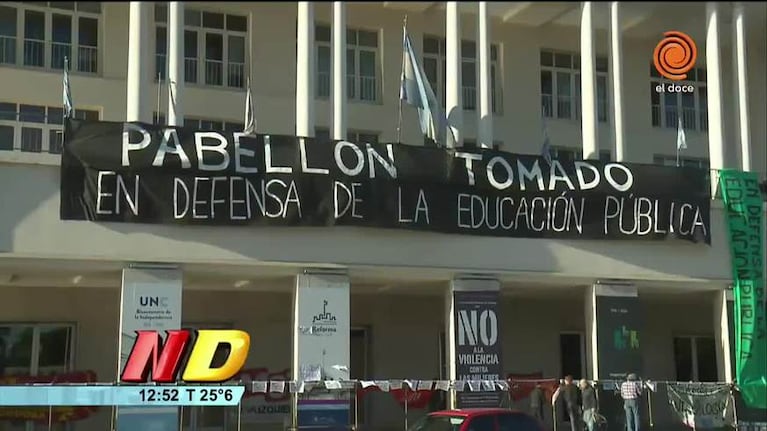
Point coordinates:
pixel 546 148
pixel 681 138
pixel 69 110
pixel 250 113
pixel 416 91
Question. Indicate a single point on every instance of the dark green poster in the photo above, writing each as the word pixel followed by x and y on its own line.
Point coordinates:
pixel 619 322
pixel 745 226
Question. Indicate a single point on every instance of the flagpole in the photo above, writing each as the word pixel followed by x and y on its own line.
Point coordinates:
pixel 401 81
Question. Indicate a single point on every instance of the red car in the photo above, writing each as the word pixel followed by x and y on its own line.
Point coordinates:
pixel 477 420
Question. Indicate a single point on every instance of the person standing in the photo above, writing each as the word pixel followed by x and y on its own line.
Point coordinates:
pixel 631 392
pixel 590 404
pixel 571 396
pixel 537 400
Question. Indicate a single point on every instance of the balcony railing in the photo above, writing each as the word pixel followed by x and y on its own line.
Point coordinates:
pixel 469 95
pixel 236 75
pixel 59 51
pixel 323 84
pixel 190 70
pixel 564 107
pixel 87 59
pixel 672 117
pixel 34 53
pixel 7 50
pixel 368 88
pixel 547 105
pixel 214 71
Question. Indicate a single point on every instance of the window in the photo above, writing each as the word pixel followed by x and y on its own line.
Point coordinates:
pixel 435 66
pixel 214 47
pixel 361 63
pixel 695 359
pixel 362 137
pixel 34 128
pixel 49 32
pixel 482 423
pixel 571 154
pixel 666 108
pixel 516 422
pixel 207 124
pixel 34 350
pixel 561 85
pixel 322 134
pixel 683 161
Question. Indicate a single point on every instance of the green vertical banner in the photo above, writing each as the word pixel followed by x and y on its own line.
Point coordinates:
pixel 745 222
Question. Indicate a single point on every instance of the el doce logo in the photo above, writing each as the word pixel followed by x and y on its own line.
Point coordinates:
pixel 675 55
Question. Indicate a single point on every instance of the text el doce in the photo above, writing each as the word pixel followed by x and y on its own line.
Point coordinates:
pixel 500 174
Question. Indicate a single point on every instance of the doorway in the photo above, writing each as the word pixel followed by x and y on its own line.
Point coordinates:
pixel 572 354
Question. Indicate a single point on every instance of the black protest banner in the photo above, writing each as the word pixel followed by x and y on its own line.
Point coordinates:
pixel 619 322
pixel 132 172
pixel 478 348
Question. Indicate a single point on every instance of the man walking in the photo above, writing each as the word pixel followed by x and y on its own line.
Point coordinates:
pixel 631 392
pixel 570 395
pixel 590 404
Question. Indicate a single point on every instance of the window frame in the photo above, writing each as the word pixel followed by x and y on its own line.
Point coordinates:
pixel 34 366
pixel 74 46
pixel 668 160
pixel 603 103
pixel 200 59
pixel 46 127
pixel 605 156
pixel 225 124
pixel 352 135
pixel 356 77
pixel 659 110
pixel 440 87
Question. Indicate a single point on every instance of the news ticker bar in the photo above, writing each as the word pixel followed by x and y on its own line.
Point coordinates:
pixel 212 395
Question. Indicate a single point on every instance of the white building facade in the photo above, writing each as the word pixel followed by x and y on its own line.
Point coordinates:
pixel 501 71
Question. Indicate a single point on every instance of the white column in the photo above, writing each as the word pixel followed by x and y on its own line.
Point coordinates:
pixel 305 70
pixel 714 87
pixel 590 313
pixel 616 79
pixel 339 70
pixel 175 63
pixel 454 108
pixel 588 85
pixel 741 87
pixel 722 335
pixel 485 111
pixel 138 65
pixel 450 354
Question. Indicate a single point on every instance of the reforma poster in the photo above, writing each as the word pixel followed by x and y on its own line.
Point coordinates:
pixel 150 300
pixel 619 323
pixel 323 348
pixel 478 347
pixel 140 173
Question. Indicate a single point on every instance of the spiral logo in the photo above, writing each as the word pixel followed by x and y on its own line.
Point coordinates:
pixel 675 55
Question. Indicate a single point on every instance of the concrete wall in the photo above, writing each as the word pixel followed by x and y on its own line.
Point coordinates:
pixel 518 126
pixel 404 332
